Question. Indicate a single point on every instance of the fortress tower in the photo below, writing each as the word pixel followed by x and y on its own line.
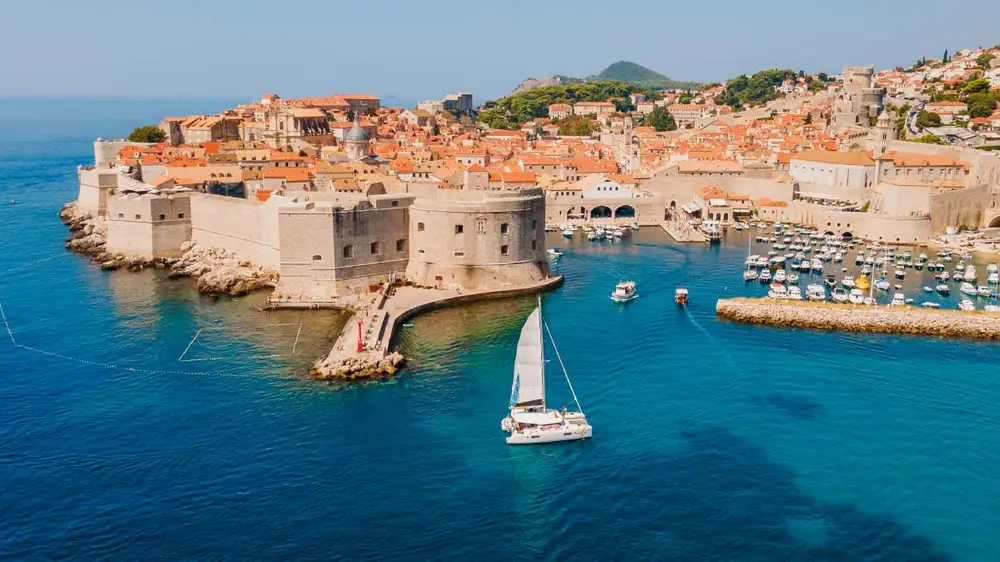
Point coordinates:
pixel 884 132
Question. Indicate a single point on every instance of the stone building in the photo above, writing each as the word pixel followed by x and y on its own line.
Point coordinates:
pixel 857 101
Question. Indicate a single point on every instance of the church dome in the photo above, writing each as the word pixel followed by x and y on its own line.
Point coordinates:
pixel 356 134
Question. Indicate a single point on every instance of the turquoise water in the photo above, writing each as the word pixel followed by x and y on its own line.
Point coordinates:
pixel 713 440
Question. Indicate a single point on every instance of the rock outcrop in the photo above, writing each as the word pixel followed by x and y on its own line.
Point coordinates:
pixel 357 367
pixel 860 318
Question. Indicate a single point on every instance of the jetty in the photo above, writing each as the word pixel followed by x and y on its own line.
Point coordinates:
pixel 682 232
pixel 364 348
pixel 861 318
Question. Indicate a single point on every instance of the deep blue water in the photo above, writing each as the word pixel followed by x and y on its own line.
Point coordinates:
pixel 713 440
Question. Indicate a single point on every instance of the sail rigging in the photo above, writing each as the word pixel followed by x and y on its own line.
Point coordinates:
pixel 529 365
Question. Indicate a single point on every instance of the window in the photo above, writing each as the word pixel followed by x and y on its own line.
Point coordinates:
pixel 121 215
pixel 317 257
pixel 459 254
pixel 180 215
pixel 534 244
pixel 163 217
pixel 504 250
pixel 420 227
pixel 374 248
pixel 534 225
pixel 349 251
pixel 401 245
pixel 504 228
pixel 138 217
pixel 420 251
pixel 395 203
pixel 459 229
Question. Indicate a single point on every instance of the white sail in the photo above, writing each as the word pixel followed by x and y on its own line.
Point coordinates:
pixel 529 365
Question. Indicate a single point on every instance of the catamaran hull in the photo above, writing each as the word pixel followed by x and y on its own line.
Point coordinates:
pixel 539 436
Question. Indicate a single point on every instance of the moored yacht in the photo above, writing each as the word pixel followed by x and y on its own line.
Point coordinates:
pixel 815 292
pixel 839 295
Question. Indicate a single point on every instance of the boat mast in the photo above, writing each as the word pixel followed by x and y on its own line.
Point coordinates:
pixel 541 349
pixel 561 364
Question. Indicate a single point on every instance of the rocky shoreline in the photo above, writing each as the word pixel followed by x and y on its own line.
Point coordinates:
pixel 852 318
pixel 217 271
pixel 357 368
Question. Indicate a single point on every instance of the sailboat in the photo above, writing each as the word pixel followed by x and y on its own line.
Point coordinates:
pixel 530 421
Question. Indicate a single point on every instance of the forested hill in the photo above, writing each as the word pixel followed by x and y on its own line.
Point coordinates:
pixel 510 111
pixel 625 71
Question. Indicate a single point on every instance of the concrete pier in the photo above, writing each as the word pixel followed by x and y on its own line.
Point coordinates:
pixel 382 316
pixel 860 318
pixel 682 232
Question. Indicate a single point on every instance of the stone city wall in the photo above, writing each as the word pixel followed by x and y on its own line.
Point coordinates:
pixel 148 226
pixel 245 227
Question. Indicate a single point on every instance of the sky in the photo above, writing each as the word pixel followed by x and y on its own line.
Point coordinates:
pixel 416 50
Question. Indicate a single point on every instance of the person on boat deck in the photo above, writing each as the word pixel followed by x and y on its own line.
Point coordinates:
pixel 564 411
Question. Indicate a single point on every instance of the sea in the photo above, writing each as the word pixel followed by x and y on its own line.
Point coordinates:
pixel 140 420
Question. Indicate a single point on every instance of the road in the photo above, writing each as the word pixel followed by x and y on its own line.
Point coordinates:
pixel 912 130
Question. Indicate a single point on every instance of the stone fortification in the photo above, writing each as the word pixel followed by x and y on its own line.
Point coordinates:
pixel 851 318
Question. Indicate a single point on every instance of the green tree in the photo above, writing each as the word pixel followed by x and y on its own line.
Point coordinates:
pixel 435 130
pixel 930 139
pixel 303 153
pixel 945 57
pixel 685 98
pixel 823 77
pixel 661 119
pixel 350 115
pixel 927 119
pixel 981 109
pixel 983 60
pixel 495 119
pixel 147 133
pixel 577 126
pixel 809 119
pixel 977 86
pixel 370 111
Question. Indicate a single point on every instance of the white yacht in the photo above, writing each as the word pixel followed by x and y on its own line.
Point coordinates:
pixel 898 299
pixel 883 285
pixel 567 232
pixel 554 252
pixel 967 305
pixel 970 273
pixel 793 278
pixel 780 276
pixel 750 275
pixel 624 291
pixel 968 289
pixel 943 289
pixel 848 281
pixel 529 420
pixel 778 291
pixel 816 265
pixel 983 290
pixel 765 276
pixel 815 292
pixel 712 231
pixel 794 293
pixel 856 296
pixel 993 278
pixel 839 295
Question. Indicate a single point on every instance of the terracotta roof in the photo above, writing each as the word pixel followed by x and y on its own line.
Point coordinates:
pixel 854 158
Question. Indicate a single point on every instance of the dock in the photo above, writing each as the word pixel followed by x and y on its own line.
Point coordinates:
pixel 880 319
pixel 378 320
pixel 682 232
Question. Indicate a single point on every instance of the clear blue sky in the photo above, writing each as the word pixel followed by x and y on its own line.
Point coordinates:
pixel 417 49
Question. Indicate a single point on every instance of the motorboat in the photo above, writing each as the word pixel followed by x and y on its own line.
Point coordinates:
pixel 681 296
pixel 993 278
pixel 750 275
pixel 780 276
pixel 967 305
pixel 624 291
pixel 554 252
pixel 957 276
pixel 762 261
pixel 991 308
pixel 530 421
pixel 765 276
pixel 776 261
pixel 848 282
pixel 943 289
pixel 898 299
pixel 794 293
pixel 777 291
pixel 960 267
pixel 929 304
pixel 816 265
pixel 862 283
pixel 883 285
pixel 592 236
pixel 983 291
pixel 830 281
pixel 838 257
pixel 856 296
pixel 928 289
pixel 860 259
pixel 900 274
pixel 712 231
pixel 567 233
pixel 793 278
pixel 970 273
pixel 815 292
pixel 839 294
pixel 968 289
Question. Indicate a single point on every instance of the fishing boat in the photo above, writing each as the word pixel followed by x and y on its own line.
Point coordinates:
pixel 943 289
pixel 839 294
pixel 681 296
pixel 794 293
pixel 554 252
pixel 530 421
pixel 624 291
pixel 967 305
pixel 862 283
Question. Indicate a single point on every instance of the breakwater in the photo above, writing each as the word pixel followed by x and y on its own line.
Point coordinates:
pixel 363 349
pixel 860 318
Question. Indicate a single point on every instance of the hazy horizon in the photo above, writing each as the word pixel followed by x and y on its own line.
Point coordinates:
pixel 192 50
